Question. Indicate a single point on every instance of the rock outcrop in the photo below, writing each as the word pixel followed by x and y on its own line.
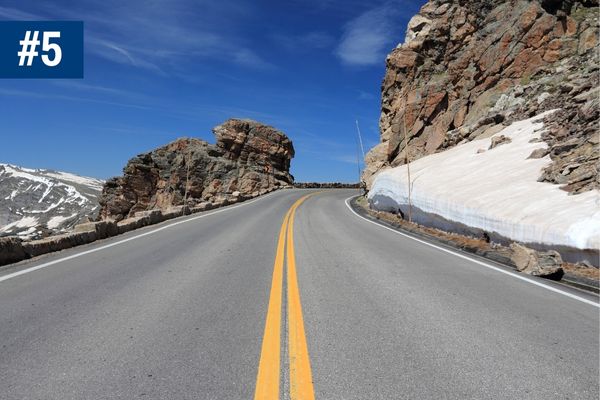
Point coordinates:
pixel 248 158
pixel 467 68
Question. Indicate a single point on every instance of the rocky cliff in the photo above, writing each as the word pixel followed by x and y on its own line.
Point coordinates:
pixel 248 158
pixel 468 68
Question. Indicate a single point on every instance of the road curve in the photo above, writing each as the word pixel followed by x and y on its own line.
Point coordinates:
pixel 181 313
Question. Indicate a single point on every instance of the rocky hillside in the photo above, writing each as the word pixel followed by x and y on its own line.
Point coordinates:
pixel 467 69
pixel 247 159
pixel 38 202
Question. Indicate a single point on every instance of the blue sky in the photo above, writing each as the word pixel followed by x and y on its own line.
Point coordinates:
pixel 156 70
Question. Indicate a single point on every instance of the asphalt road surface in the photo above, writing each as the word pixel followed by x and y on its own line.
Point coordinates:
pixel 287 296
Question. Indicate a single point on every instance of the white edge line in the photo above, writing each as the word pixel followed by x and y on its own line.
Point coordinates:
pixel 514 275
pixel 83 253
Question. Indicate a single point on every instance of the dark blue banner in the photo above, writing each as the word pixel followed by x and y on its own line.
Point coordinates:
pixel 41 49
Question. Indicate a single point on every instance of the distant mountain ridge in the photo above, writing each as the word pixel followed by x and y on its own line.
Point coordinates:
pixel 37 202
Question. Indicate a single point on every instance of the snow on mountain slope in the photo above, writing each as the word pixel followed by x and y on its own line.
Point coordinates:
pixel 35 202
pixel 495 190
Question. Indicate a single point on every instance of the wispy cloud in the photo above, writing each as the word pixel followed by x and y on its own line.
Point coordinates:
pixel 56 96
pixel 81 86
pixel 249 58
pixel 362 95
pixel 367 38
pixel 304 42
pixel 120 51
pixel 13 13
pixel 160 36
pixel 121 55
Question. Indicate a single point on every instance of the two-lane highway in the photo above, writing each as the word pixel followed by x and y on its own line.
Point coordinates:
pixel 263 294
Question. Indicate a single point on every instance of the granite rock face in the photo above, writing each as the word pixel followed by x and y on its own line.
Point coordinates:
pixel 467 68
pixel 248 158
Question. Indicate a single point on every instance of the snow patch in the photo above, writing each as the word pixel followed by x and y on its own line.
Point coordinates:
pixel 41 174
pixel 56 222
pixel 24 222
pixel 18 172
pixel 50 207
pixel 46 192
pixel 495 190
pixel 82 180
pixel 28 232
pixel 12 195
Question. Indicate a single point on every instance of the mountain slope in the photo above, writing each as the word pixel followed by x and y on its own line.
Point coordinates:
pixel 37 202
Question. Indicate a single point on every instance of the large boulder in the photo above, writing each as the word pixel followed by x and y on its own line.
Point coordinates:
pixel 248 157
pixel 547 264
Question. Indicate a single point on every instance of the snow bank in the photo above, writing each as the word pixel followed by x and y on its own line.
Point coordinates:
pixel 496 191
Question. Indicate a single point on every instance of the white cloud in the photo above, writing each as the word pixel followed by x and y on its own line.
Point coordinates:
pixel 82 86
pixel 162 36
pixel 249 58
pixel 362 95
pixel 57 96
pixel 306 41
pixel 366 38
pixel 14 14
pixel 119 54
pixel 317 40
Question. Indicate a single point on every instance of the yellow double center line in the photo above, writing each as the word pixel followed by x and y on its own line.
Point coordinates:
pixel 269 369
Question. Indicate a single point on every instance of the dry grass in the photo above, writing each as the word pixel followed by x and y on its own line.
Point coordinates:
pixel 460 240
pixel 579 270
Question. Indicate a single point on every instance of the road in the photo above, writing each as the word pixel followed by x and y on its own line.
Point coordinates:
pixel 260 301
